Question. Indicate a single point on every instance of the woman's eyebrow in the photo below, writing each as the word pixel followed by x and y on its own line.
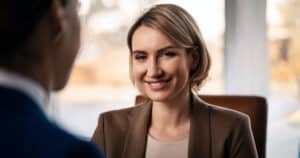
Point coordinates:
pixel 166 48
pixel 159 50
pixel 138 51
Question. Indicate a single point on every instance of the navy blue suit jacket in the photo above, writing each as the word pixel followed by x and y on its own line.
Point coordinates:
pixel 25 131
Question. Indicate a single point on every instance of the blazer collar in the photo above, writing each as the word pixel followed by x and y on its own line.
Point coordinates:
pixel 200 130
pixel 199 138
pixel 135 141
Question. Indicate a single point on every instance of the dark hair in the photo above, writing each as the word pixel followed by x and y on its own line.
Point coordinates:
pixel 180 27
pixel 18 19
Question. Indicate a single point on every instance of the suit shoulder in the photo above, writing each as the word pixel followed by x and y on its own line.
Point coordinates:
pixel 118 119
pixel 219 112
pixel 227 117
pixel 227 120
pixel 121 113
pixel 227 113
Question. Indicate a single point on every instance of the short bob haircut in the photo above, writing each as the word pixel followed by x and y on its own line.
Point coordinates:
pixel 181 28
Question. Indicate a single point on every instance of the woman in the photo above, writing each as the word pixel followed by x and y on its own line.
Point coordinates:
pixel 169 59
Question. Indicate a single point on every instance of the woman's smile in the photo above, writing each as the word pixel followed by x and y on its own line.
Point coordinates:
pixel 158 85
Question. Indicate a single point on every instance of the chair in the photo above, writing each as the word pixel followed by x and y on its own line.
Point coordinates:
pixel 254 106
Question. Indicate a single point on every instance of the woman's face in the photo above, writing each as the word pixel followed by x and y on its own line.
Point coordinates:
pixel 160 69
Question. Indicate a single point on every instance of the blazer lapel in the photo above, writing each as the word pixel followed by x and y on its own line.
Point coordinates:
pixel 199 139
pixel 136 138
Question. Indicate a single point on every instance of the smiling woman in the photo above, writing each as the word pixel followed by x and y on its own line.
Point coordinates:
pixel 160 69
pixel 168 62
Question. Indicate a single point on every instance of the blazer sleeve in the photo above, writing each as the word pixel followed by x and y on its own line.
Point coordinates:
pixel 243 144
pixel 99 134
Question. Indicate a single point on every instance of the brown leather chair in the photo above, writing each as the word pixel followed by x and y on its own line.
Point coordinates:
pixel 254 106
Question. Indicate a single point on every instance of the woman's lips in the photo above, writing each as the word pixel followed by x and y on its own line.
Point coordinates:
pixel 158 85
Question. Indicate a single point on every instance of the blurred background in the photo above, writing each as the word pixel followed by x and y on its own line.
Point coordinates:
pixel 254 47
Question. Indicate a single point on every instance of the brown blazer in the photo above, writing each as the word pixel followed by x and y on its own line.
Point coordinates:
pixel 215 132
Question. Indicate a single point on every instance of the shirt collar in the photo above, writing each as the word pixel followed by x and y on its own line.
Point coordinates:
pixel 31 88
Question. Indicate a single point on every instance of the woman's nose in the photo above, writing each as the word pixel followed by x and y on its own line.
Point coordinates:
pixel 154 69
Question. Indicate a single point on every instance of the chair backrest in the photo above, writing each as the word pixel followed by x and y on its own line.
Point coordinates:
pixel 254 106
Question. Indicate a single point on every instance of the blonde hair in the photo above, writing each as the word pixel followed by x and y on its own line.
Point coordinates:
pixel 180 27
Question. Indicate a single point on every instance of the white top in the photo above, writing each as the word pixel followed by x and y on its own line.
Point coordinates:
pixel 157 149
pixel 25 85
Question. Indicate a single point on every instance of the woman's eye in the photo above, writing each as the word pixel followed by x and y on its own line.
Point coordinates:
pixel 140 57
pixel 169 53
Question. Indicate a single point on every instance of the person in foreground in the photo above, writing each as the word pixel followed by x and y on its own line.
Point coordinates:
pixel 169 61
pixel 39 40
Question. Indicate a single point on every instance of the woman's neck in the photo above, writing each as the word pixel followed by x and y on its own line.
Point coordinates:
pixel 171 120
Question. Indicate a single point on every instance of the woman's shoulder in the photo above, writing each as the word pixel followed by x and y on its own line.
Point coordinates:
pixel 221 112
pixel 120 112
pixel 224 117
pixel 226 113
pixel 120 115
pixel 120 120
pixel 226 120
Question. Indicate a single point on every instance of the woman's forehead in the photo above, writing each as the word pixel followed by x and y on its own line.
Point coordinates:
pixel 150 38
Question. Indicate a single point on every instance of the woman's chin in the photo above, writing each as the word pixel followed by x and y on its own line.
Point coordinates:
pixel 159 97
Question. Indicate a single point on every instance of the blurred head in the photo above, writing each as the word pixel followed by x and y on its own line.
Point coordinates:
pixel 168 44
pixel 40 39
